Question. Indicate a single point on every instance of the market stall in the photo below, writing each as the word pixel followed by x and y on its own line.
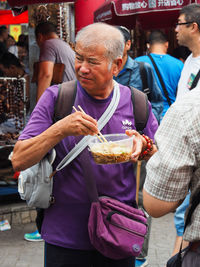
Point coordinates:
pixel 12 95
pixel 12 120
pixel 141 16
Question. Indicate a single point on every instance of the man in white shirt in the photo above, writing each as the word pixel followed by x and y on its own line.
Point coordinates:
pixel 188 34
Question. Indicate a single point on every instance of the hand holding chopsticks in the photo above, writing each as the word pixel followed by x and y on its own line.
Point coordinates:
pixel 100 136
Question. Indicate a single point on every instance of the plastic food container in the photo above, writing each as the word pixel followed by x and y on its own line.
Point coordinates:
pixel 118 149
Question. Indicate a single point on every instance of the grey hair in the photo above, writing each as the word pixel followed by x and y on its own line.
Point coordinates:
pixel 102 33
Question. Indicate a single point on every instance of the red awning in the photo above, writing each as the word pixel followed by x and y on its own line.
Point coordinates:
pixel 18 3
pixel 151 14
pixel 6 17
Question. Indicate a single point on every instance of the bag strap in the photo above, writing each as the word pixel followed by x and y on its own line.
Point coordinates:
pixel 65 100
pixel 143 76
pixel 160 79
pixel 196 79
pixel 140 108
pixel 101 123
pixel 143 73
pixel 195 202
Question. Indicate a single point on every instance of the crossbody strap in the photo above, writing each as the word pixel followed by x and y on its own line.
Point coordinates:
pixel 160 79
pixel 101 123
pixel 196 79
pixel 195 203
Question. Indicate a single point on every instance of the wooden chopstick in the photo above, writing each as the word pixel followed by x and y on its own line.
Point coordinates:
pixel 102 141
pixel 101 135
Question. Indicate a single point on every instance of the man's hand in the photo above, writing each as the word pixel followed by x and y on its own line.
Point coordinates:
pixel 78 123
pixel 138 144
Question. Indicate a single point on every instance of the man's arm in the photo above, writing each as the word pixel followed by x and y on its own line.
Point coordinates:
pixel 28 152
pixel 156 94
pixel 156 207
pixel 45 75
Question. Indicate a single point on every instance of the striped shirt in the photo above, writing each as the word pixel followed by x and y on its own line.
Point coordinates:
pixel 175 168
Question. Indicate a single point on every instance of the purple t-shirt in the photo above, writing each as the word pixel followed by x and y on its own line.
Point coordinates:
pixel 65 222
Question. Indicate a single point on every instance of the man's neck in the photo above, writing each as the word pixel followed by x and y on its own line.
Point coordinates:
pixel 158 49
pixel 52 36
pixel 195 50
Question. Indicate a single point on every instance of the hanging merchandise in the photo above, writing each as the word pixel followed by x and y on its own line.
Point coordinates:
pixel 12 108
pixel 61 25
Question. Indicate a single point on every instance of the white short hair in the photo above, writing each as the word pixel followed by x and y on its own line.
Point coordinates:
pixel 101 33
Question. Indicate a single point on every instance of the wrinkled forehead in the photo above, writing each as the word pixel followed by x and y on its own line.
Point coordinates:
pixel 90 49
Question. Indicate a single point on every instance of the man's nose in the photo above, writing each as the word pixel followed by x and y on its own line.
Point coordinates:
pixel 84 67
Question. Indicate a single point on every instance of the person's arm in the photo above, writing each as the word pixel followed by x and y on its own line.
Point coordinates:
pixel 156 94
pixel 156 207
pixel 171 169
pixel 28 152
pixel 45 75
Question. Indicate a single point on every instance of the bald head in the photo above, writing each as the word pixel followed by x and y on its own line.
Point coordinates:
pixel 102 34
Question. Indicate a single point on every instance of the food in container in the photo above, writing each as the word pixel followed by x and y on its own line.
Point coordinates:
pixel 117 149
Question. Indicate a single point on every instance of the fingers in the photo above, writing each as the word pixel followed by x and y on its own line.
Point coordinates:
pixel 79 123
pixel 137 144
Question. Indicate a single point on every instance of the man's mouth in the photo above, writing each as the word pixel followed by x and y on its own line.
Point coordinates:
pixel 84 78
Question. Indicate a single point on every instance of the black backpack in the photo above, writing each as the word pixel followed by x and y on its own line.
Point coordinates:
pixel 67 94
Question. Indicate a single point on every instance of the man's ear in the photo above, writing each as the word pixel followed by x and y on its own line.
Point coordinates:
pixel 195 27
pixel 166 46
pixel 117 66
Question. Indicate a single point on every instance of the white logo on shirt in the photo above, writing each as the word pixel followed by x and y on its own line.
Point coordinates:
pixel 127 125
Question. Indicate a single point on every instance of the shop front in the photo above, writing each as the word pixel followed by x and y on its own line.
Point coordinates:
pixel 15 103
pixel 141 16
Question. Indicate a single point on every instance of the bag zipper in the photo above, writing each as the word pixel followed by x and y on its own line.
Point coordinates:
pixel 108 217
pixel 126 229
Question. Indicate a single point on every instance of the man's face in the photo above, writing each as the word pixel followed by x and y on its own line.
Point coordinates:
pixel 127 47
pixel 39 39
pixel 93 69
pixel 183 31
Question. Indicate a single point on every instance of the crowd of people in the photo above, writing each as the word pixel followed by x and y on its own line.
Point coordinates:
pixel 168 147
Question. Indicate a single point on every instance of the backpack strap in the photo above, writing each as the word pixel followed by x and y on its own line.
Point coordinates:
pixel 67 95
pixel 161 80
pixel 65 100
pixel 143 74
pixel 140 108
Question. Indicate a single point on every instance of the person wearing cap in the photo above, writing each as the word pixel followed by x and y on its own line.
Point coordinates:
pixel 130 76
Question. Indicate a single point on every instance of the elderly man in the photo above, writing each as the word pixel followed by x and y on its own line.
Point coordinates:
pixel 99 50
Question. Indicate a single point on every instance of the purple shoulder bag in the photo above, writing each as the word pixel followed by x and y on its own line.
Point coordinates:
pixel 116 229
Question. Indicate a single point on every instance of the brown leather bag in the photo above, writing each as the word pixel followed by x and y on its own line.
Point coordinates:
pixel 58 72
